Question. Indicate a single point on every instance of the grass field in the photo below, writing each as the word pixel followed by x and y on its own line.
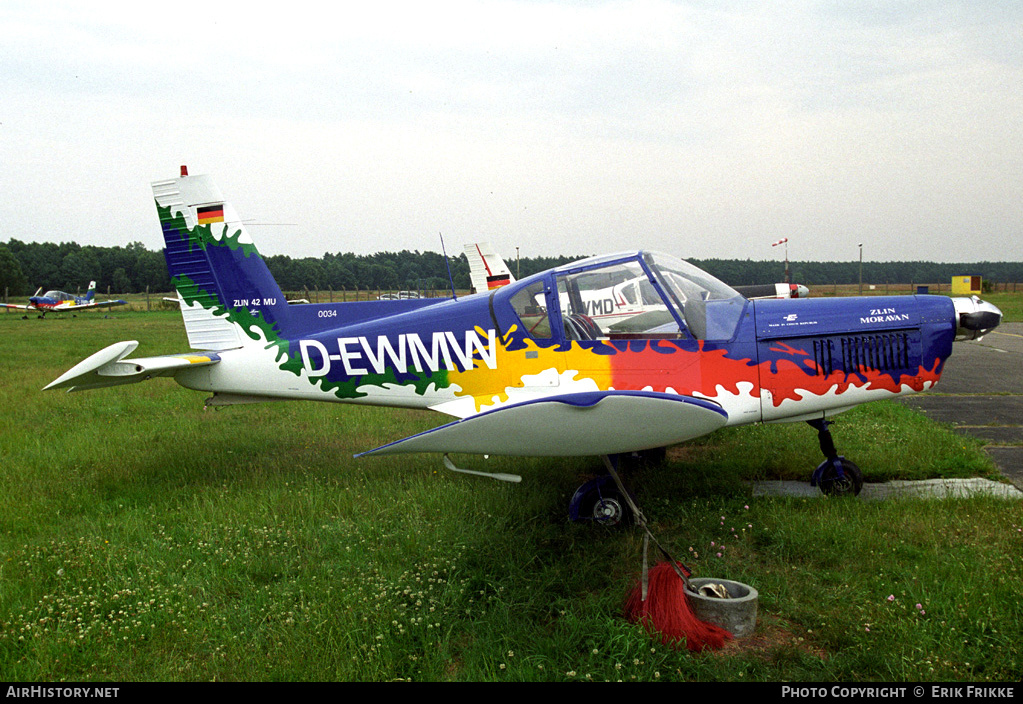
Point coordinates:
pixel 145 539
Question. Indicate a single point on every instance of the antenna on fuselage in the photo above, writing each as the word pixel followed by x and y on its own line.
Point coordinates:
pixel 451 280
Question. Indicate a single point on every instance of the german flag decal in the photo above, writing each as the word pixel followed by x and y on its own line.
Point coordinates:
pixel 498 280
pixel 210 213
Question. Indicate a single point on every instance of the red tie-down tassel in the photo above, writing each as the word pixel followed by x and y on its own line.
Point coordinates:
pixel 666 611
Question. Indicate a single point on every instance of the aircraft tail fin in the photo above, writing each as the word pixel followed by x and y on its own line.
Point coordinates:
pixel 487 270
pixel 227 295
pixel 91 293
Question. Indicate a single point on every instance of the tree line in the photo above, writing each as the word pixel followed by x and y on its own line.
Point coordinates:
pixel 68 266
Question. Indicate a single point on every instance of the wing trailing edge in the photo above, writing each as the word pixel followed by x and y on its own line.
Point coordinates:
pixel 589 423
pixel 90 304
pixel 109 368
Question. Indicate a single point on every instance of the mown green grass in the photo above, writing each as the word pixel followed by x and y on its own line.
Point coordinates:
pixel 145 539
pixel 1009 302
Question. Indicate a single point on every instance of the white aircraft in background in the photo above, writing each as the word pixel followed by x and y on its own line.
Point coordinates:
pixel 488 271
pixel 613 305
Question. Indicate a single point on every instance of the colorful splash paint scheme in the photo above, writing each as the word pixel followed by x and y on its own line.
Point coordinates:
pixel 536 367
pixel 61 302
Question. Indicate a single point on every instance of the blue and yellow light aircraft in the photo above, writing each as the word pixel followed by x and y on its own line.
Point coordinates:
pixel 61 302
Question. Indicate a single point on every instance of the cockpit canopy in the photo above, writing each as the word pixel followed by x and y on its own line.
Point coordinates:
pixel 58 295
pixel 642 294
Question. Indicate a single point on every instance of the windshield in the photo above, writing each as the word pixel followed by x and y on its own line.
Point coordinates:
pixel 711 309
pixel 609 300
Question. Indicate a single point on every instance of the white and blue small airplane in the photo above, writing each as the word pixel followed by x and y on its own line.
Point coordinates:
pixel 60 302
pixel 522 368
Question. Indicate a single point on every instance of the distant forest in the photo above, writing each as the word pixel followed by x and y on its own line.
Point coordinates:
pixel 25 266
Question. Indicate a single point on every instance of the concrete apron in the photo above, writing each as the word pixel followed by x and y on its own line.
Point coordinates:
pixel 926 489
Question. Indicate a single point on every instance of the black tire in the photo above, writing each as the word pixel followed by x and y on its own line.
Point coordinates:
pixel 849 484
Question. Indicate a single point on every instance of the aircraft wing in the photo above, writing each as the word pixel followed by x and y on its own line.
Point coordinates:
pixel 106 368
pixel 15 305
pixel 599 422
pixel 779 290
pixel 91 304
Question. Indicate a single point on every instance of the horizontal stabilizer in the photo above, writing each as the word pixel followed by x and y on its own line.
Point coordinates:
pixel 108 368
pixel 589 423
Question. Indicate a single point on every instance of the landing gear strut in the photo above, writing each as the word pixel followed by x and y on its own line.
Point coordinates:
pixel 601 499
pixel 836 475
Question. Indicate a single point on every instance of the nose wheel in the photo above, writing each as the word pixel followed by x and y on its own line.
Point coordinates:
pixel 835 476
pixel 843 478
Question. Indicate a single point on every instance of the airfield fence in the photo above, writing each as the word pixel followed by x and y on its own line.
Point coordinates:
pixel 150 301
pixel 158 300
pixel 893 289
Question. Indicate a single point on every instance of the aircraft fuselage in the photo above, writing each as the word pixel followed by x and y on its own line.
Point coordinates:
pixel 786 360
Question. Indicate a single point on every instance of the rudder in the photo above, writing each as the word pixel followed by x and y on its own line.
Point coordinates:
pixel 487 270
pixel 227 295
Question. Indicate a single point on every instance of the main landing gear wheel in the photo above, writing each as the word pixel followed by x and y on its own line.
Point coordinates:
pixel 599 500
pixel 847 483
pixel 609 510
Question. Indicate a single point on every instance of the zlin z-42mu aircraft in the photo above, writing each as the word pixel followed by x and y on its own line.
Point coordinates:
pixel 522 369
pixel 60 302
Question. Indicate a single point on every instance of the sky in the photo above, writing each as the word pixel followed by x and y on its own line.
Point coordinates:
pixel 700 128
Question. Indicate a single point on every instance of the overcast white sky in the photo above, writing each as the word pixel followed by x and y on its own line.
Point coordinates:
pixel 701 128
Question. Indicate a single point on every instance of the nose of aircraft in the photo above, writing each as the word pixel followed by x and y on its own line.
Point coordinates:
pixel 975 318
